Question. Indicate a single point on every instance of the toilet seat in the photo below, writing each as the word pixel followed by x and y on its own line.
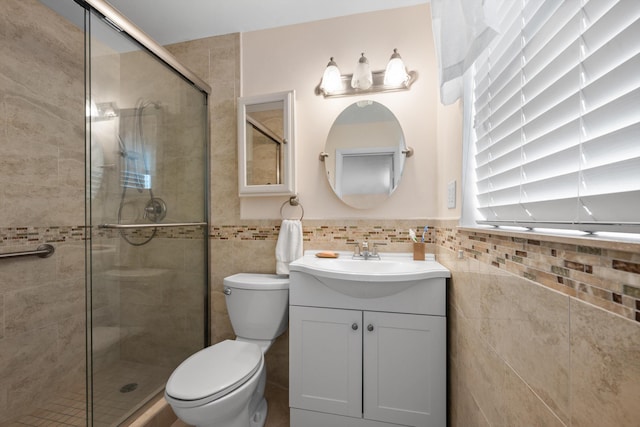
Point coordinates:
pixel 213 372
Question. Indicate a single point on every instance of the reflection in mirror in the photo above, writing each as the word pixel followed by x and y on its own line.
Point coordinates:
pixel 265 137
pixel 265 145
pixel 365 154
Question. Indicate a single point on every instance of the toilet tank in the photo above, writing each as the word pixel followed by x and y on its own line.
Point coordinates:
pixel 258 305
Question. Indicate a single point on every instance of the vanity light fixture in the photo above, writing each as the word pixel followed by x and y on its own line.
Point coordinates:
pixel 331 78
pixel 396 72
pixel 363 80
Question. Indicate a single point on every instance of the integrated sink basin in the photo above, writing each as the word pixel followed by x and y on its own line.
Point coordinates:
pixel 372 278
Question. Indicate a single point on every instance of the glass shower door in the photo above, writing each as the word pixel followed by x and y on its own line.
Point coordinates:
pixel 147 157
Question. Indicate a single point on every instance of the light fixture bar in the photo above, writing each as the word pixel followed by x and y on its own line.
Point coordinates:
pixel 378 85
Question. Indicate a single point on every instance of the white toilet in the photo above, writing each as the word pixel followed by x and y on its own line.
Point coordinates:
pixel 223 385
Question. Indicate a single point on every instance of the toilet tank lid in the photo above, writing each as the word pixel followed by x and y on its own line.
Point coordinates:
pixel 215 370
pixel 267 282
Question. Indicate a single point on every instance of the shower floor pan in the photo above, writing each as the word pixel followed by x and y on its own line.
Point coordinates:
pixel 118 392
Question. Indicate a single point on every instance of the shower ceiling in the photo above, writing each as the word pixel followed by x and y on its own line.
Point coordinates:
pixel 170 21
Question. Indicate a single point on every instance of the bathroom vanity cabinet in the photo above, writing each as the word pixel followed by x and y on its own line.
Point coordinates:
pixel 358 362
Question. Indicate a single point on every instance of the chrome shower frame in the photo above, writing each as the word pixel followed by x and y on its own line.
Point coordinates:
pixel 121 24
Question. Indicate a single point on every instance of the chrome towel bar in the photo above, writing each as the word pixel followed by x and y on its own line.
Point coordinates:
pixel 165 225
pixel 42 251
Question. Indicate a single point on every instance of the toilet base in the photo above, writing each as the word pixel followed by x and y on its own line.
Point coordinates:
pixel 259 417
pixel 237 409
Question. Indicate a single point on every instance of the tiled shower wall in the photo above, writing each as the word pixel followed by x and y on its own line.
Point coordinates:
pixel 41 200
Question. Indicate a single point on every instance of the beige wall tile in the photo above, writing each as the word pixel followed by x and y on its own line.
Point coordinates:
pixel 42 306
pixel 541 358
pixel 27 362
pixel 528 326
pixel 44 206
pixel 605 368
pixel 277 359
pixel 255 256
pixel 482 372
pixel 523 407
pixel 1 316
pixel 71 358
pixel 278 401
pixel 21 273
pixel 69 259
pixel 463 409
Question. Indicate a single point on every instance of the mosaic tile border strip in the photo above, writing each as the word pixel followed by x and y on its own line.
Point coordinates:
pixel 607 278
pixel 183 232
pixel 28 236
pixel 322 233
pixel 24 236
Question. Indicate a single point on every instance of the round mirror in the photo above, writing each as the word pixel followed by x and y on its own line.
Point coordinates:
pixel 364 154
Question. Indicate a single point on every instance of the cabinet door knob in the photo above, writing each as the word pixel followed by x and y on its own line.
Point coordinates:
pixel 370 328
pixel 354 326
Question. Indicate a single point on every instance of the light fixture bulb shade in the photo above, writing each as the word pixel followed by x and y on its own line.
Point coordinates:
pixel 331 79
pixel 362 77
pixel 396 72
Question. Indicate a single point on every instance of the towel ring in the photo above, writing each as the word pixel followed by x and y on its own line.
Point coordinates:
pixel 293 201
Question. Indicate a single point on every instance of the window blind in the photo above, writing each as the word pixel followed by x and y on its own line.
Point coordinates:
pixel 557 116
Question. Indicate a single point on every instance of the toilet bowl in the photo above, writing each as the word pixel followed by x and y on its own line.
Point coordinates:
pixel 223 385
pixel 215 385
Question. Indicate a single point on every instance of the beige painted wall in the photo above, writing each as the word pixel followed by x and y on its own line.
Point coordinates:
pixel 294 57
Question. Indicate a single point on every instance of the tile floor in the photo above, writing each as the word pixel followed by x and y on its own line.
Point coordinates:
pixel 66 410
pixel 278 414
pixel 111 405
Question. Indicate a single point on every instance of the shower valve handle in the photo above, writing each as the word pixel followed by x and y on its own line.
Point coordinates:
pixel 155 210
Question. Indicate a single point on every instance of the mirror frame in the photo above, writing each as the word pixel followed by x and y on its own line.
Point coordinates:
pixel 288 185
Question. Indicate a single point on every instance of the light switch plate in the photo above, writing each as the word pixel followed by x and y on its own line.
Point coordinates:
pixel 451 195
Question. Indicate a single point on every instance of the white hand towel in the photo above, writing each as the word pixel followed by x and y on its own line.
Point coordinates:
pixel 289 246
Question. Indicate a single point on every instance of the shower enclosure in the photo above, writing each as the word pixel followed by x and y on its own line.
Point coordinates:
pixel 148 251
pixel 144 225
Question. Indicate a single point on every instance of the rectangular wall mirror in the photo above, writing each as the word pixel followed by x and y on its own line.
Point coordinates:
pixel 266 140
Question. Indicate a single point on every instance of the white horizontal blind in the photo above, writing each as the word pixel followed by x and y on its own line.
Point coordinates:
pixel 557 123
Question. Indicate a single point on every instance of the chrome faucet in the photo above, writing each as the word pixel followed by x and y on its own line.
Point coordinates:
pixel 363 251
